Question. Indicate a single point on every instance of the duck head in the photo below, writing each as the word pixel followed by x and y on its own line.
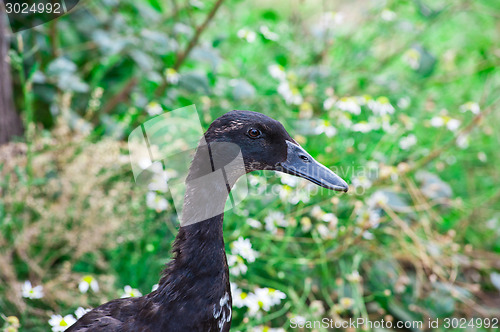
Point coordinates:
pixel 265 145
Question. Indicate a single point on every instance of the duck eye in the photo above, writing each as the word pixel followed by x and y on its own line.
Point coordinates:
pixel 254 133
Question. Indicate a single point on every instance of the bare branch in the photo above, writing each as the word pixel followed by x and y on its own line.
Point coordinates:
pixel 181 57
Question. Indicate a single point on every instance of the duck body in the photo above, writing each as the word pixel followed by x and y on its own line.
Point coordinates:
pixel 193 294
pixel 194 291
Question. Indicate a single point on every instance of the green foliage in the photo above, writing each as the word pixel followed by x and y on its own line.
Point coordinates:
pixel 399 95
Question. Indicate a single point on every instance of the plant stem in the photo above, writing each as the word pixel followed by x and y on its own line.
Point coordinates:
pixel 27 87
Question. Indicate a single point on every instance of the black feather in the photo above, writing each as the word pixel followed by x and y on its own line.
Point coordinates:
pixel 194 292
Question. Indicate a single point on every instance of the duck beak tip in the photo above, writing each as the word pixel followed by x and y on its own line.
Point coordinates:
pixel 311 169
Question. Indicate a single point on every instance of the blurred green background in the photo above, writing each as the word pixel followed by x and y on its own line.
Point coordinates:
pixel 400 97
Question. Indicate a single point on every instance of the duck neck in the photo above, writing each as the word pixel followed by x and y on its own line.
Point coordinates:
pixel 198 272
pixel 199 260
pixel 199 257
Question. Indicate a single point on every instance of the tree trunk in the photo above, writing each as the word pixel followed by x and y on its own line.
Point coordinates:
pixel 10 122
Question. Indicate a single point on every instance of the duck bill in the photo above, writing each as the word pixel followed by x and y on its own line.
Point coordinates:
pixel 300 163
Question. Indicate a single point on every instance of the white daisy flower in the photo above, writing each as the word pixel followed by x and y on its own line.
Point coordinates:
pixel 268 34
pixel 243 247
pixel 361 181
pixel 239 297
pixel 362 127
pixel 254 223
pixel 236 265
pixel 329 103
pixel 463 141
pixel 325 127
pixel 354 277
pixel 88 282
pixel 247 35
pixel 388 15
pixel 349 104
pixel 368 235
pixel 378 199
pixel 60 323
pixel 325 232
pixel 444 120
pixel 80 311
pixel 453 124
pixel 30 292
pixel 276 296
pixel 404 102
pixel 381 106
pixel 470 106
pixel 252 303
pixel 290 94
pixel 407 142
pixel 159 182
pixel 329 19
pixel 319 214
pixel 268 297
pixel 301 320
pixel 153 108
pixel 330 218
pixel 156 202
pixel 344 120
pixel 437 121
pixel 197 4
pixel 263 298
pixel 495 279
pixel 369 216
pixel 273 219
pixel 346 302
pixel 130 292
pixel 288 179
pixel 172 76
pixel 277 72
pixel 287 194
pixel 412 58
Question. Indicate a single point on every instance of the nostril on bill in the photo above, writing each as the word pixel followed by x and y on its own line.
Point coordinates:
pixel 304 158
